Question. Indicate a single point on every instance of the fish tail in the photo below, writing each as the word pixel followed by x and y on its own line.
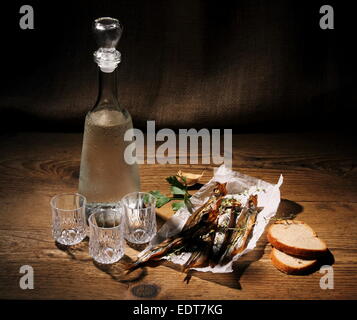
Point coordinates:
pixel 157 252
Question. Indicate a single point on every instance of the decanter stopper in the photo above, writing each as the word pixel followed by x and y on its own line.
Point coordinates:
pixel 107 32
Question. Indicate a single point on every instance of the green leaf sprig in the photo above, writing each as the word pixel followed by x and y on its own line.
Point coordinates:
pixel 179 191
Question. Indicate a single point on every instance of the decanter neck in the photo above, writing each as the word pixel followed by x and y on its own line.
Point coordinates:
pixel 107 32
pixel 107 91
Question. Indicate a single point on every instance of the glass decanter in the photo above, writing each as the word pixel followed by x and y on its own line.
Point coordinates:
pixel 105 176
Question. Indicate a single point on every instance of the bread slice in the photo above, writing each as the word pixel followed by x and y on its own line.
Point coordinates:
pixel 292 265
pixel 296 238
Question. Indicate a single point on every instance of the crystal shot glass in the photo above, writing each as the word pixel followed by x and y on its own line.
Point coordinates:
pixel 106 238
pixel 68 218
pixel 140 217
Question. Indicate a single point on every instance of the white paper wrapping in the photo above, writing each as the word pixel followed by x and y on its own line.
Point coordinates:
pixel 268 198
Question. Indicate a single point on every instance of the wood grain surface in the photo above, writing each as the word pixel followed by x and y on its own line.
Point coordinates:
pixel 320 187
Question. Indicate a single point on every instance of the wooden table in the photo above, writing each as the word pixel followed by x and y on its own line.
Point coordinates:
pixel 320 187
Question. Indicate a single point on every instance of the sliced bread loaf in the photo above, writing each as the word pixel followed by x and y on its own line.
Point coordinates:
pixel 291 265
pixel 297 239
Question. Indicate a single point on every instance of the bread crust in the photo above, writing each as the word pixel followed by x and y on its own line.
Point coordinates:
pixel 281 266
pixel 308 254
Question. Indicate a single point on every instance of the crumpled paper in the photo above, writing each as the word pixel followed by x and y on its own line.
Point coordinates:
pixel 237 183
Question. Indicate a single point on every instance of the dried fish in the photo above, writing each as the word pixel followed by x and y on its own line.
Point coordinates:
pixel 244 226
pixel 196 226
pixel 229 210
pixel 212 204
pixel 200 257
pixel 213 234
